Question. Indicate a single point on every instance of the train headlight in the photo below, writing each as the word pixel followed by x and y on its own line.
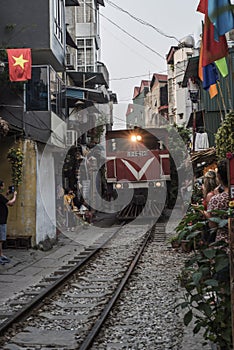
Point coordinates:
pixel 138 137
pixel 135 138
pixel 158 184
pixel 118 186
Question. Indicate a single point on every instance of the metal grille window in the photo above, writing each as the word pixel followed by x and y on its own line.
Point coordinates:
pixel 59 20
pixel 85 55
pixel 85 12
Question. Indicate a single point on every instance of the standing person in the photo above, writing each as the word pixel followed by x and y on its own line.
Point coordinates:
pixel 68 207
pixel 4 203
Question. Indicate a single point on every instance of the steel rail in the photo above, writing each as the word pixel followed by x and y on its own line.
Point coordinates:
pixel 54 286
pixel 98 324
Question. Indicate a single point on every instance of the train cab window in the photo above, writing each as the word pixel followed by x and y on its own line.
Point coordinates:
pixel 154 143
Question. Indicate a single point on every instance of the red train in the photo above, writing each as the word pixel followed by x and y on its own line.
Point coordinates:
pixel 138 166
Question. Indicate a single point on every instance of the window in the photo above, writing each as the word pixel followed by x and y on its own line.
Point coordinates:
pixel 45 91
pixel 37 90
pixel 85 12
pixel 59 20
pixel 85 55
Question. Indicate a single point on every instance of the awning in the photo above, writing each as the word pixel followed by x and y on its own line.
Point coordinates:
pixel 199 119
pixel 70 41
pixel 89 79
pixel 191 70
pixel 75 93
pixel 71 3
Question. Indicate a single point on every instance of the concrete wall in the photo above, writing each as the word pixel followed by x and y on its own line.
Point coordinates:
pixel 34 211
pixel 21 220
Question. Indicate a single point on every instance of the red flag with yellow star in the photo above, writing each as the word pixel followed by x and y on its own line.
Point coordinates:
pixel 20 64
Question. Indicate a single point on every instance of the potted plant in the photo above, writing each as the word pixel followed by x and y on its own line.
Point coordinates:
pixel 174 240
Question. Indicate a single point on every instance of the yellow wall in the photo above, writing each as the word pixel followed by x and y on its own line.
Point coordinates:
pixel 22 216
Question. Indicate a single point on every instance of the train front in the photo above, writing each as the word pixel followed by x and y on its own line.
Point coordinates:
pixel 138 171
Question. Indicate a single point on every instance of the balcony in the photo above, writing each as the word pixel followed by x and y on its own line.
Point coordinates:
pixel 91 79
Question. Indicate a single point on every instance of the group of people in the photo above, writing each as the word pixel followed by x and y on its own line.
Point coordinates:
pixel 70 209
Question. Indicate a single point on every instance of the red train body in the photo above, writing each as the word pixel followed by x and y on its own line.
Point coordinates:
pixel 138 159
pixel 137 162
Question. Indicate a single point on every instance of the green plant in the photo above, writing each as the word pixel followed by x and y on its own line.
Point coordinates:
pixel 173 239
pixel 224 137
pixel 15 157
pixel 206 280
pixel 10 27
pixel 207 295
pixel 191 227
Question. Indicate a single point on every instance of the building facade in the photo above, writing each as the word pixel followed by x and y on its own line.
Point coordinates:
pixel 43 111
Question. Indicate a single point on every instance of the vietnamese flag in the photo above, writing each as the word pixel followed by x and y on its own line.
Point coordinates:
pixel 20 64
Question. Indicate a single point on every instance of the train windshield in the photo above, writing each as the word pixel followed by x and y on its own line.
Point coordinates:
pixel 135 141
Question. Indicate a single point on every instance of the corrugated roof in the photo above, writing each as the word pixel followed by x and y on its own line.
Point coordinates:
pixel 170 55
pixel 161 78
pixel 144 83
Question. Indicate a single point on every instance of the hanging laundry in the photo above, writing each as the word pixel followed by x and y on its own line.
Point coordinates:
pixel 201 141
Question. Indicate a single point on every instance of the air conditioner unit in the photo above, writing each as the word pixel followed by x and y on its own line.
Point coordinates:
pixel 70 60
pixel 71 138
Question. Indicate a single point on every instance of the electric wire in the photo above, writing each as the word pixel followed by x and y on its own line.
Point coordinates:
pixel 133 37
pixel 128 47
pixel 126 32
pixel 159 31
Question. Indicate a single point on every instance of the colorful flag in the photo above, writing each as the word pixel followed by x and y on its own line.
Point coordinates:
pixel 221 15
pixel 212 49
pixel 221 64
pixel 20 64
pixel 213 91
pixel 210 75
pixel 203 7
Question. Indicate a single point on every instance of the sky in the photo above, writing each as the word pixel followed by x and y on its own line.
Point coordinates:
pixel 130 61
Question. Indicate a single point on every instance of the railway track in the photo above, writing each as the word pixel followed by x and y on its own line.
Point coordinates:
pixel 67 311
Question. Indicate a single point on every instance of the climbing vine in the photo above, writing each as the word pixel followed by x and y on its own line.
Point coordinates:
pixel 224 138
pixel 16 157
